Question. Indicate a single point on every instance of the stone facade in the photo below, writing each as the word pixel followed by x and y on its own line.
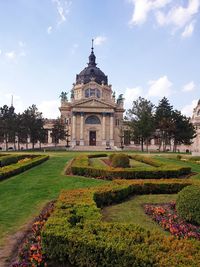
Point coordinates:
pixel 93 116
pixel 196 122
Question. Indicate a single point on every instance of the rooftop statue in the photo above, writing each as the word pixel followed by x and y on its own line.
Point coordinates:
pixel 63 96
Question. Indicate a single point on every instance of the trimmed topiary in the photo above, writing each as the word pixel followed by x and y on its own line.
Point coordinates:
pixel 120 160
pixel 188 204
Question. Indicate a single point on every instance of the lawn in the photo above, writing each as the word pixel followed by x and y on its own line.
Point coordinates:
pixel 131 211
pixel 23 196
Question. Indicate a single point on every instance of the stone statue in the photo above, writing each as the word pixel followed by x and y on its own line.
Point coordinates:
pixel 113 94
pixel 63 96
pixel 72 93
pixel 120 99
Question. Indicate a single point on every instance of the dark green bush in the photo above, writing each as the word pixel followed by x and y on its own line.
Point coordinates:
pixel 188 204
pixel 120 161
pixel 101 155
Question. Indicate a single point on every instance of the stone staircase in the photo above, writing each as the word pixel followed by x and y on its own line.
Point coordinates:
pixel 92 148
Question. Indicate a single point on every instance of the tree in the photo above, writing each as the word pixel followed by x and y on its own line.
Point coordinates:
pixel 141 120
pixel 183 131
pixel 8 125
pixel 33 122
pixel 164 122
pixel 58 132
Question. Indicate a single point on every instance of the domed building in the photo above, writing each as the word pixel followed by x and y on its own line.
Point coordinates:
pixel 196 122
pixel 93 116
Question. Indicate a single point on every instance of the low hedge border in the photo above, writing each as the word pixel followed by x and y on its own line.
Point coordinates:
pixel 10 170
pixel 80 166
pixel 76 233
pixel 11 159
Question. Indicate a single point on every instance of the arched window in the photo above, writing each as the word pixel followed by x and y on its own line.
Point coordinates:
pixel 87 92
pixel 92 120
pixel 92 92
pixel 198 112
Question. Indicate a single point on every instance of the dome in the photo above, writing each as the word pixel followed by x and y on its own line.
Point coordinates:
pixel 91 72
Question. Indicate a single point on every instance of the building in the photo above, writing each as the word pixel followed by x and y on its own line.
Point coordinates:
pixel 196 122
pixel 93 116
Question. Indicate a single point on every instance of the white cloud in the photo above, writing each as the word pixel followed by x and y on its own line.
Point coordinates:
pixel 0 52
pixel 160 88
pixel 167 13
pixel 188 31
pixel 189 87
pixel 188 109
pixel 143 7
pixel 50 108
pixel 10 55
pixel 63 8
pixel 99 40
pixel 130 95
pixel 179 16
pixel 49 29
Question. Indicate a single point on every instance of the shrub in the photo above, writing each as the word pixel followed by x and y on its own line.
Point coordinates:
pixel 110 157
pixel 18 167
pixel 76 233
pixel 194 158
pixel 179 157
pixel 11 159
pixel 188 204
pixel 120 160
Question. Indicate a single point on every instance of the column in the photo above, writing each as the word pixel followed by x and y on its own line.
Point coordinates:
pixel 49 141
pixel 81 129
pixel 104 129
pixel 74 129
pixel 111 130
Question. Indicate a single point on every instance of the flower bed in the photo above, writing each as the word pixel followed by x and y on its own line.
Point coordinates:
pixel 31 253
pixel 166 216
pixel 76 233
pixel 22 165
pixel 157 170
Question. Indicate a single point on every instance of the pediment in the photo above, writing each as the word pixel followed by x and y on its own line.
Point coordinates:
pixel 94 103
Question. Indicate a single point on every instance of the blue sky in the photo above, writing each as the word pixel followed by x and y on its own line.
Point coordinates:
pixel 146 47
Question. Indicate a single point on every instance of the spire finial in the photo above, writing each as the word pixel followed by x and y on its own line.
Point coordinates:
pixel 92 44
pixel 11 100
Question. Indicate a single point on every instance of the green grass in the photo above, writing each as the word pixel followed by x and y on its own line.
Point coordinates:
pixel 23 196
pixel 172 159
pixel 97 163
pixel 138 164
pixel 131 211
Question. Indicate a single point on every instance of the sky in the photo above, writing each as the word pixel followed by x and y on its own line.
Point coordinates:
pixel 148 48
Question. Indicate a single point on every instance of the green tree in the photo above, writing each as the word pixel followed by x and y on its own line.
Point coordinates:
pixel 33 123
pixel 183 131
pixel 58 131
pixel 141 120
pixel 164 122
pixel 8 125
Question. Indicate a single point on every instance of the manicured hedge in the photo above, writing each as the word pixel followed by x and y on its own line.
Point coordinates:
pixel 19 167
pixel 76 233
pixel 80 166
pixel 11 159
